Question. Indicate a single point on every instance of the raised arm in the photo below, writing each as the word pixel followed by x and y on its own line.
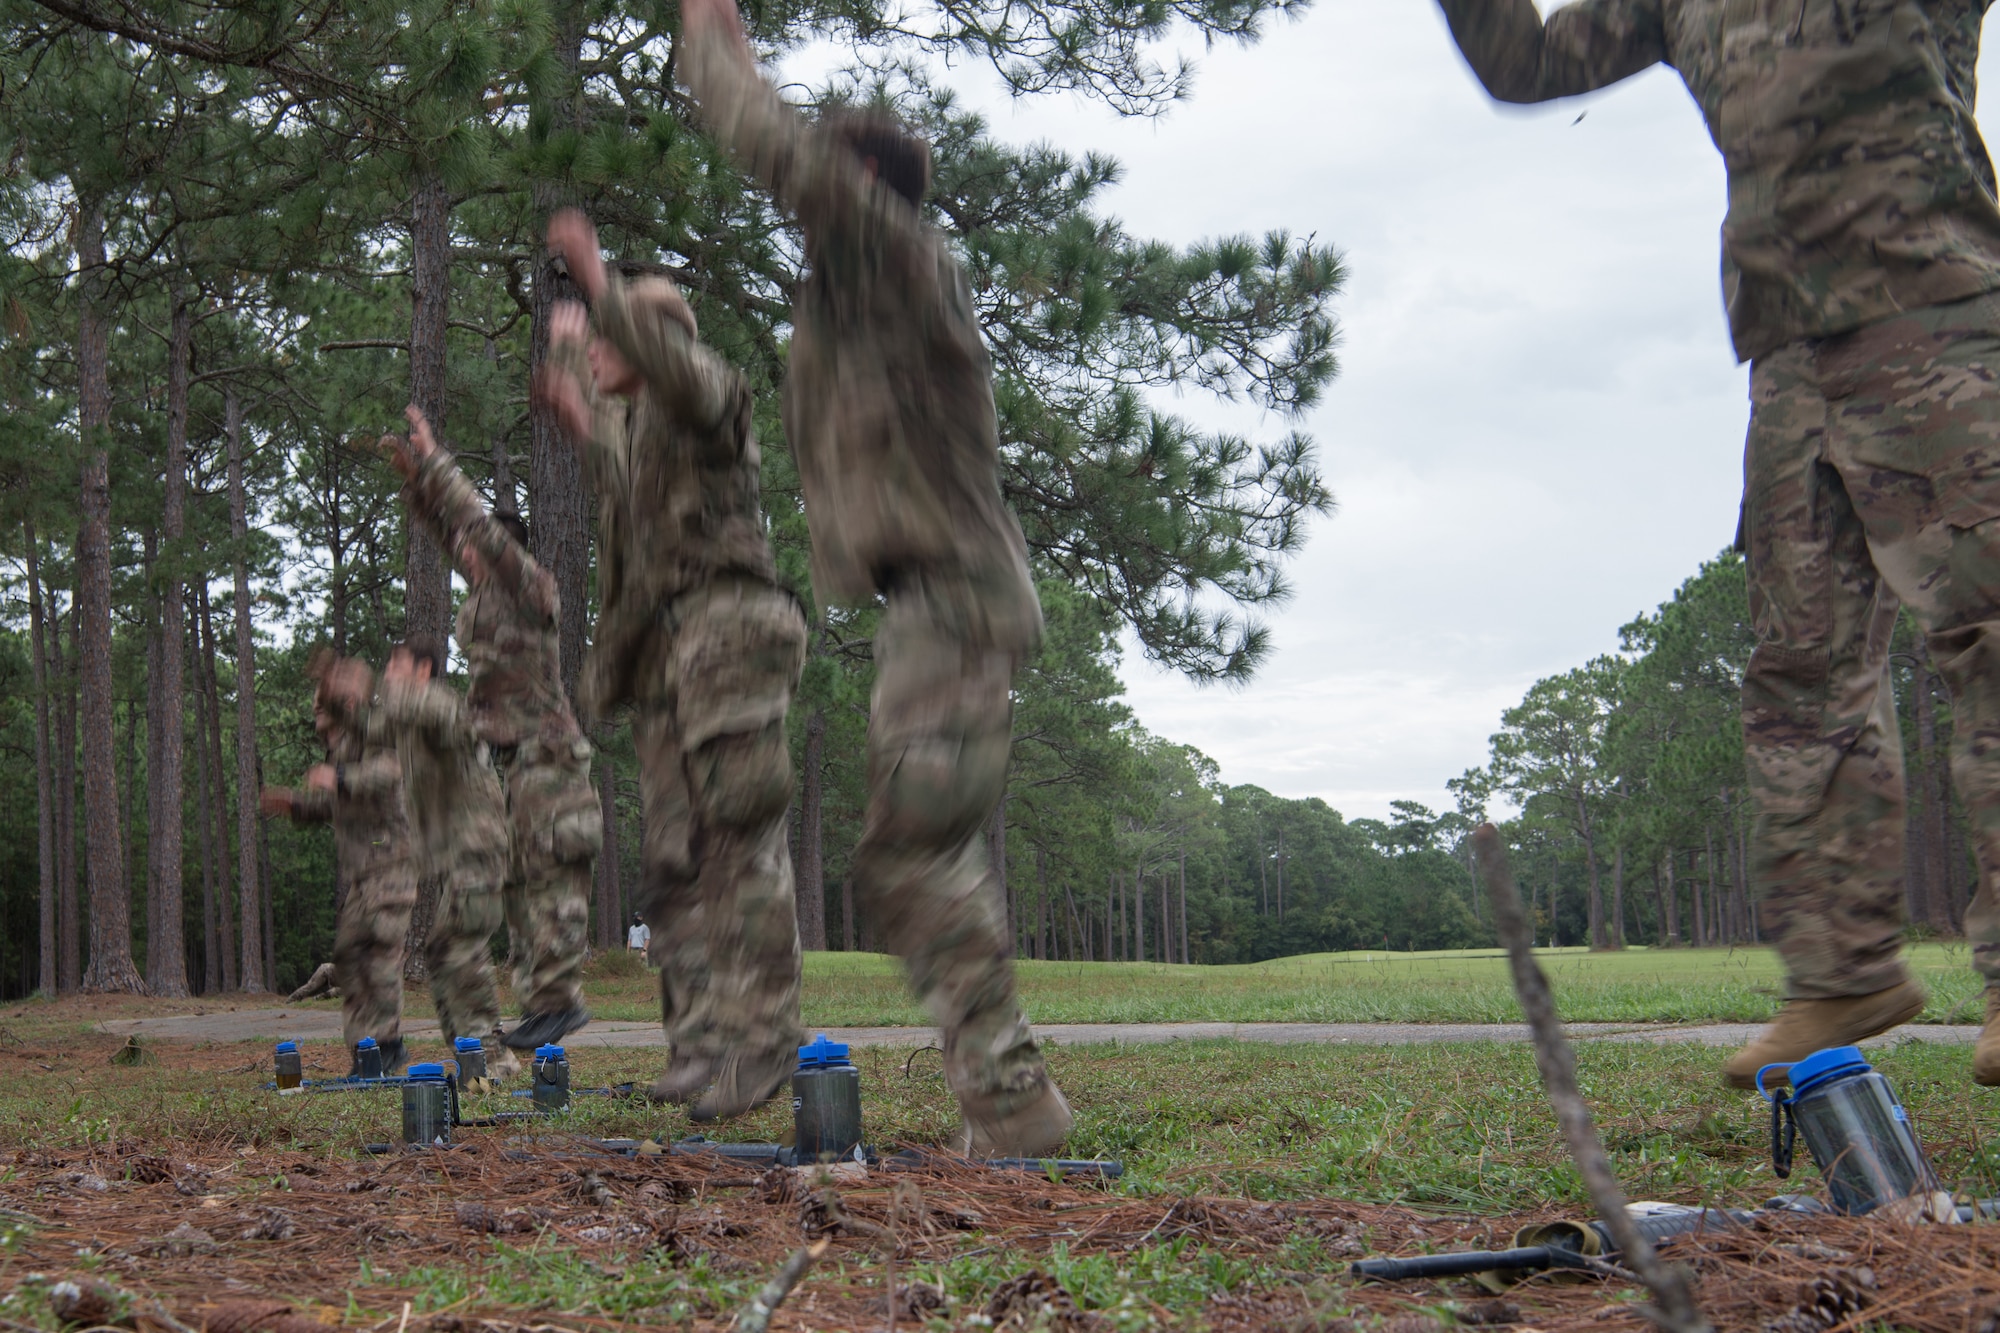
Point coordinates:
pixel 691 380
pixel 431 707
pixel 1582 46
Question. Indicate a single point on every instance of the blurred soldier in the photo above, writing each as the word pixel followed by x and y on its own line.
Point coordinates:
pixel 506 628
pixel 1861 257
pixel 361 793
pixel 458 815
pixel 889 408
pixel 697 635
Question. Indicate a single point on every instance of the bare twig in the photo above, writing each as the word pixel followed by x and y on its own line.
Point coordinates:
pixel 756 1316
pixel 1676 1310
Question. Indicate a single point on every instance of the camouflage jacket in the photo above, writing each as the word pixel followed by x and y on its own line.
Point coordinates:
pixel 889 391
pixel 371 831
pixel 507 625
pixel 457 812
pixel 676 472
pixel 1858 183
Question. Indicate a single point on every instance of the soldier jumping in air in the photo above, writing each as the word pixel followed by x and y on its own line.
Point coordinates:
pixel 459 816
pixel 698 637
pixel 506 627
pixel 1861 269
pixel 889 408
pixel 360 791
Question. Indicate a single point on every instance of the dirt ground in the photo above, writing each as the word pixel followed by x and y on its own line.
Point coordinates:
pixel 211 1232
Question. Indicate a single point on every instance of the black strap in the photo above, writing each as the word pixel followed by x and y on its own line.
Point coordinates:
pixel 1784 1136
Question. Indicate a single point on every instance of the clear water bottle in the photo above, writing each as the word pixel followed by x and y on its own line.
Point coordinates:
pixel 551 1089
pixel 471 1054
pixel 426 1106
pixel 1859 1135
pixel 367 1059
pixel 291 1069
pixel 826 1102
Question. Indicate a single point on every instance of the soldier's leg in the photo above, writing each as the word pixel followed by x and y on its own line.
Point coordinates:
pixel 938 741
pixel 738 650
pixel 666 880
pixel 1917 444
pixel 459 951
pixel 1823 752
pixel 368 956
pixel 558 829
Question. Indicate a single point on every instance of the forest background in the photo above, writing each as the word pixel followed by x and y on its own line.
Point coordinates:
pixel 240 235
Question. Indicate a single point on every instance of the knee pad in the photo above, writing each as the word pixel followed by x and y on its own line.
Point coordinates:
pixel 741 779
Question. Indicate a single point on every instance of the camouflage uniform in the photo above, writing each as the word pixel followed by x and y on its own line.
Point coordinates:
pixel 696 635
pixel 889 407
pixel 458 815
pixel 506 627
pixel 371 839
pixel 1861 241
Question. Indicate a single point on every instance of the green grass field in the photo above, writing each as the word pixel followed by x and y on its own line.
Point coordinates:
pixel 1469 986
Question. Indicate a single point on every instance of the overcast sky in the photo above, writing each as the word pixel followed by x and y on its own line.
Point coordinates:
pixel 1537 430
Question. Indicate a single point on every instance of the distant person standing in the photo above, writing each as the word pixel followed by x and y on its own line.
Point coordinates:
pixel 889 409
pixel 1861 257
pixel 637 936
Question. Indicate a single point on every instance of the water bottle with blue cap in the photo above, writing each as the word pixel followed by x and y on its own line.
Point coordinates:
pixel 551 1088
pixel 291 1069
pixel 367 1059
pixel 1858 1133
pixel 471 1055
pixel 826 1102
pixel 426 1105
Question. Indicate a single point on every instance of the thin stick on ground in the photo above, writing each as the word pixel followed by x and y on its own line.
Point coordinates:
pixel 756 1316
pixel 1676 1309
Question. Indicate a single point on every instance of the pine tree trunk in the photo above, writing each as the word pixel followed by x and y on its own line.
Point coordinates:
pixel 1670 908
pixel 154 817
pixel 128 801
pixel 810 872
pixel 1184 932
pixel 249 913
pixel 264 896
pixel 111 966
pixel 166 963
pixel 557 500
pixel 847 913
pixel 608 921
pixel 48 977
pixel 69 912
pixel 224 922
pixel 211 949
pixel 1618 896
pixel 1595 907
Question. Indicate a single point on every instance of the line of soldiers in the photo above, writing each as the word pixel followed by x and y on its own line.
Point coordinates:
pixel 889 409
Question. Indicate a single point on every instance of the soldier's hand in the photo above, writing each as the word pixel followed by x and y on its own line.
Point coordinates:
pixel 569 324
pixel 572 236
pixel 557 391
pixel 321 777
pixel 275 802
pixel 397 450
pixel 717 17
pixel 422 443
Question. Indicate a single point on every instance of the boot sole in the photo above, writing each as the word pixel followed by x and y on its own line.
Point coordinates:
pixel 1874 1028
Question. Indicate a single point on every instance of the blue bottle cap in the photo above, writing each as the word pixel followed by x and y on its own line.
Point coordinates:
pixel 822 1053
pixel 426 1074
pixel 1823 1067
pixel 288 1048
pixel 465 1044
pixel 365 1044
pixel 548 1052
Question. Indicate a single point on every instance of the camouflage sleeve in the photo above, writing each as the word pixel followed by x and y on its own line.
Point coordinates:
pixel 807 172
pixel 311 806
pixel 601 461
pixel 450 506
pixel 377 774
pixel 432 708
pixel 691 380
pixel 1582 46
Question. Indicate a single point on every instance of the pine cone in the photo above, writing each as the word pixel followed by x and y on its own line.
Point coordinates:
pixel 1827 1302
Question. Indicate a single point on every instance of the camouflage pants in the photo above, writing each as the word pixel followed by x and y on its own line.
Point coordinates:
pixel 458 950
pixel 715 776
pixel 1872 481
pixel 939 733
pixel 368 951
pixel 558 830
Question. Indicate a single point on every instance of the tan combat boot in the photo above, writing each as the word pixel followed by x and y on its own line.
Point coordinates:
pixel 683 1082
pixel 745 1081
pixel 1986 1055
pixel 1030 1123
pixel 1805 1026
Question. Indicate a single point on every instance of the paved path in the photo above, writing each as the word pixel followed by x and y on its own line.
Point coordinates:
pixel 324 1025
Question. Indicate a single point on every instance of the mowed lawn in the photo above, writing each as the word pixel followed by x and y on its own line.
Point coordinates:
pixel 1464 986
